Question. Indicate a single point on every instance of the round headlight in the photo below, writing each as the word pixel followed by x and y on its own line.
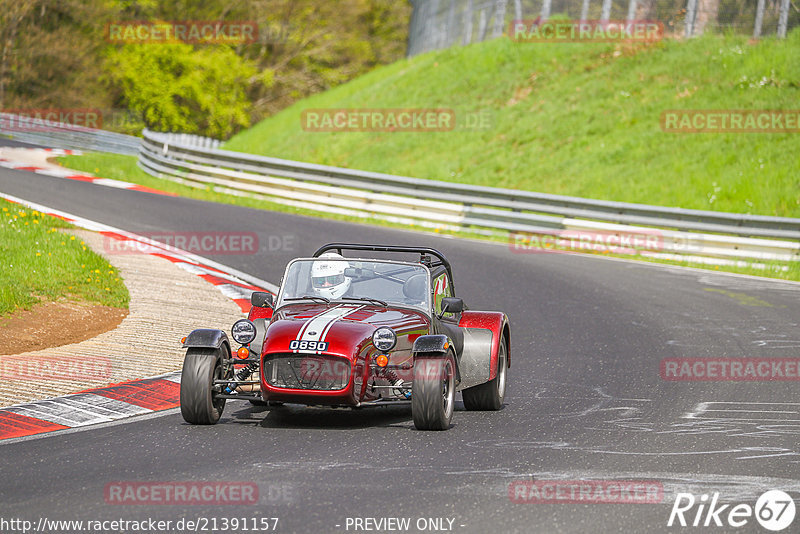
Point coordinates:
pixel 384 339
pixel 243 331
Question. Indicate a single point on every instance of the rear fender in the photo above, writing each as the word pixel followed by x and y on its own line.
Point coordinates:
pixel 478 344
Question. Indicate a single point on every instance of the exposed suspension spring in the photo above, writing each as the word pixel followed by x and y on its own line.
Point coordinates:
pixel 241 375
pixel 391 376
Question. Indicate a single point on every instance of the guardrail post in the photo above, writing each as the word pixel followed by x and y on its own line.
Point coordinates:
pixel 499 17
pixel 546 7
pixel 467 38
pixel 585 10
pixel 691 15
pixel 606 12
pixel 783 19
pixel 631 11
pixel 482 26
pixel 759 19
pixel 451 22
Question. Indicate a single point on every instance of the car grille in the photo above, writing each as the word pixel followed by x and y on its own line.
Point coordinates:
pixel 307 371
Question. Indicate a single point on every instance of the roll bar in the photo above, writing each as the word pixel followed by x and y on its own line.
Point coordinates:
pixel 422 251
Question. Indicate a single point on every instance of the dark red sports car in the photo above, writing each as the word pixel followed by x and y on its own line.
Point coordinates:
pixel 354 331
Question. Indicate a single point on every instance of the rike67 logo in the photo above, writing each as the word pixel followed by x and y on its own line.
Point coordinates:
pixel 774 510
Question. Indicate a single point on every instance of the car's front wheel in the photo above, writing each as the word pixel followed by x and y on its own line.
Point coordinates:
pixel 433 391
pixel 489 395
pixel 199 402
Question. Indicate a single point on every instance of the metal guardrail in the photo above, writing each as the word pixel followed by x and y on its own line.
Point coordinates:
pixel 457 206
pixel 54 134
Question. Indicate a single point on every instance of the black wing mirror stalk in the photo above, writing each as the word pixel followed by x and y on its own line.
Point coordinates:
pixel 451 305
pixel 261 299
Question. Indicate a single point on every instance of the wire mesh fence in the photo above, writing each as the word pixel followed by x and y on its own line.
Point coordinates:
pixel 439 24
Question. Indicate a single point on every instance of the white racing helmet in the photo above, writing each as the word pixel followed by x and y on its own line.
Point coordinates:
pixel 327 276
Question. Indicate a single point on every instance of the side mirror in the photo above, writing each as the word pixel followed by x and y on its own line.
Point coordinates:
pixel 261 299
pixel 452 305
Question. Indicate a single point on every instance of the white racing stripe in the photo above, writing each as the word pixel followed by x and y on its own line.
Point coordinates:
pixel 302 331
pixel 318 326
pixel 328 327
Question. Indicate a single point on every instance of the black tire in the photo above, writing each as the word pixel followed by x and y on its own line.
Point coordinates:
pixel 433 392
pixel 489 395
pixel 199 405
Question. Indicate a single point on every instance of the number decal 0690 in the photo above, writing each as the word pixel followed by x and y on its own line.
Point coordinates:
pixel 308 345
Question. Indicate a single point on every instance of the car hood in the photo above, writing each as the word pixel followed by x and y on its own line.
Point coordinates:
pixel 346 328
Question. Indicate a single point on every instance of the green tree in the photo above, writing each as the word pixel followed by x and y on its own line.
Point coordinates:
pixel 50 53
pixel 54 53
pixel 179 88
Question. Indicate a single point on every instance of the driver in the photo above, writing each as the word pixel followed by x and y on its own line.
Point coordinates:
pixel 327 276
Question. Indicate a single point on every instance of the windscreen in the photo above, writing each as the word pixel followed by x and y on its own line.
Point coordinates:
pixel 394 283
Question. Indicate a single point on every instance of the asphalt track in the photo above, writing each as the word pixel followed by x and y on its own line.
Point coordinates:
pixel 585 399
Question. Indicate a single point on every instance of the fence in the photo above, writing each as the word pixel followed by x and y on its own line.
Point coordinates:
pixel 430 203
pixel 439 24
pixel 54 134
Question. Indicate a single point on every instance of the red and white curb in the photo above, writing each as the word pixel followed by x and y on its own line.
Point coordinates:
pixel 91 407
pixel 135 397
pixel 60 172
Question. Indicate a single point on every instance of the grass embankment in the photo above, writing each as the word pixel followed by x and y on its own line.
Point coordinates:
pixel 578 119
pixel 40 261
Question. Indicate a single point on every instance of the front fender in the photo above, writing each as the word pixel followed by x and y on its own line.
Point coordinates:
pixel 431 343
pixel 207 338
pixel 434 345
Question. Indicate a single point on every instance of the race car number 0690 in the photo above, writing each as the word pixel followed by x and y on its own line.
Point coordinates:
pixel 308 345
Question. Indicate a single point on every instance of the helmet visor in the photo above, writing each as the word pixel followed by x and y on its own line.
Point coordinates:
pixel 327 281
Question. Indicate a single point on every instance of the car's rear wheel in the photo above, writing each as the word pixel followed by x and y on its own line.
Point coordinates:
pixel 199 402
pixel 489 395
pixel 433 392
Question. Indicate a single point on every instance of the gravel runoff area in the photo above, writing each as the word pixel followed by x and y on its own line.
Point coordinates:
pixel 166 303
